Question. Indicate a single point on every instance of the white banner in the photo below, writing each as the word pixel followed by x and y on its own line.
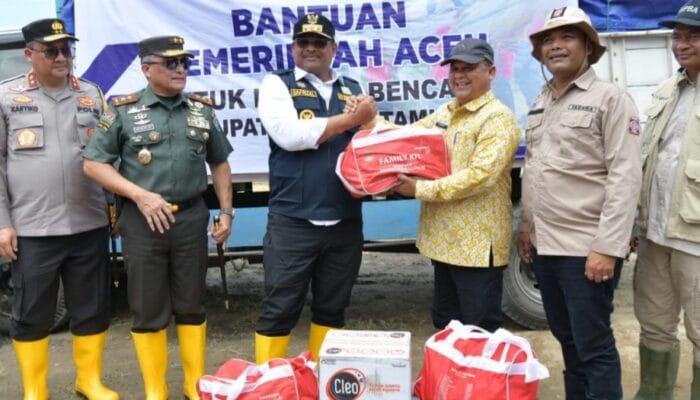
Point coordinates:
pixel 392 47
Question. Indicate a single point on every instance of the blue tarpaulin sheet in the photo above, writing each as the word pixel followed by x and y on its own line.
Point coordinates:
pixel 629 15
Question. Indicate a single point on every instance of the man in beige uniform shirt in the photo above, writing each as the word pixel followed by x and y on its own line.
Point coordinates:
pixel 580 186
pixel 53 219
pixel 667 274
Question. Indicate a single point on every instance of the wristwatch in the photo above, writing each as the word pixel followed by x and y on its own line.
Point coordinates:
pixel 228 211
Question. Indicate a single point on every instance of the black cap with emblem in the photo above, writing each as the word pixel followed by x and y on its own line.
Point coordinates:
pixel 45 31
pixel 689 15
pixel 163 46
pixel 314 24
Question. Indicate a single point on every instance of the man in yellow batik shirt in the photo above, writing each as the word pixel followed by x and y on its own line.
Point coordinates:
pixel 465 221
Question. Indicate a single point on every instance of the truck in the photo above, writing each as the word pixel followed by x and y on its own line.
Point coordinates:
pixel 392 47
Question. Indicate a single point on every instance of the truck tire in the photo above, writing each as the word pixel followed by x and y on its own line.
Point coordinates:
pixel 522 301
pixel 61 316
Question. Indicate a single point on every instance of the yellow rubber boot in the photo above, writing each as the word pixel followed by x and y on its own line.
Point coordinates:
pixel 33 360
pixel 193 342
pixel 269 347
pixel 87 355
pixel 152 352
pixel 316 335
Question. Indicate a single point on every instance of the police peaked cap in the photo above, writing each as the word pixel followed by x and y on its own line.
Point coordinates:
pixel 46 31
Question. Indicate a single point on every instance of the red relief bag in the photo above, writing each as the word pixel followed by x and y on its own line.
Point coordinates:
pixel 373 159
pixel 470 363
pixel 288 379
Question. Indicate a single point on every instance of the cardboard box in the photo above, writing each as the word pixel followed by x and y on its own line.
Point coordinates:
pixel 365 365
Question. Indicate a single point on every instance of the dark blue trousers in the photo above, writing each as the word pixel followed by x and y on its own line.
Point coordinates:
pixel 578 312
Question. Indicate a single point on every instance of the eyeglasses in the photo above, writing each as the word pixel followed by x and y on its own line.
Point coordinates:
pixel 173 62
pixel 52 52
pixel 317 43
pixel 691 38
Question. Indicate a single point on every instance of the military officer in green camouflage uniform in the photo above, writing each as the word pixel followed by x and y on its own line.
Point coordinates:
pixel 162 139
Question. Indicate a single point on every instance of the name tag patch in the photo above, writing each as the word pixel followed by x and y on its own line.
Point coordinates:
pixel 295 92
pixel 580 107
pixel 19 109
pixel 144 128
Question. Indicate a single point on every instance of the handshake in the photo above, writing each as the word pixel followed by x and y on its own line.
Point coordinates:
pixel 363 108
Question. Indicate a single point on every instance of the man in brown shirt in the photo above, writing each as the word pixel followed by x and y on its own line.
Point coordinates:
pixel 581 180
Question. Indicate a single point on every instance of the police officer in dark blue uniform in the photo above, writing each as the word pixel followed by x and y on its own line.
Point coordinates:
pixel 314 231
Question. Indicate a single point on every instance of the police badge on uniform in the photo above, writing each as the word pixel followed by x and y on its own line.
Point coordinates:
pixel 26 138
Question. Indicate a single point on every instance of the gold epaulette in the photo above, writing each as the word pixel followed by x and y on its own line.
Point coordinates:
pixel 124 99
pixel 201 99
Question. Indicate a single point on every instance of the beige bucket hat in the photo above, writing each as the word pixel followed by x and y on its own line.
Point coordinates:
pixel 564 16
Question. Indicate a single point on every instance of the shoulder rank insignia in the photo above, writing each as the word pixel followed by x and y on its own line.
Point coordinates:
pixel 74 83
pixel 125 99
pixel 201 99
pixel 32 80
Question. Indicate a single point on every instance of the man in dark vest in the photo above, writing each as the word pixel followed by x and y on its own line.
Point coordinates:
pixel 314 229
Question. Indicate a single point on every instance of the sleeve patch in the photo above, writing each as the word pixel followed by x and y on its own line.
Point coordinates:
pixel 633 126
pixel 106 120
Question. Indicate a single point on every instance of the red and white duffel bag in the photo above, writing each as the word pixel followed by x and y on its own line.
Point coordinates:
pixel 373 159
pixel 470 363
pixel 289 379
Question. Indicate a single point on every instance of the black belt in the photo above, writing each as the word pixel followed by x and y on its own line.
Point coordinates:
pixel 175 206
pixel 184 204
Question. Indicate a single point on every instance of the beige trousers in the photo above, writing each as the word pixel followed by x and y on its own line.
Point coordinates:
pixel 666 281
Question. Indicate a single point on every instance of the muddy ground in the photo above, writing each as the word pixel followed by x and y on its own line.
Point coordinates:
pixel 393 293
